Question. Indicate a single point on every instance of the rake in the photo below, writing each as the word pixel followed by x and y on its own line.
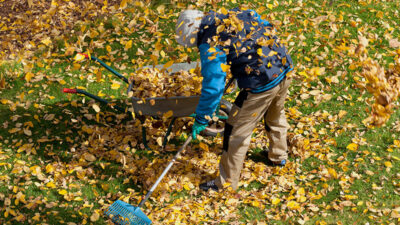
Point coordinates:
pixel 124 213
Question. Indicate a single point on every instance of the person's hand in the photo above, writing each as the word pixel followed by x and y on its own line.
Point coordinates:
pixel 197 128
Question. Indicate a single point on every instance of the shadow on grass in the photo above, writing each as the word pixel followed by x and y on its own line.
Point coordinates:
pixel 61 134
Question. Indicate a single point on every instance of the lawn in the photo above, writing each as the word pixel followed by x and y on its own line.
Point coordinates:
pixel 64 161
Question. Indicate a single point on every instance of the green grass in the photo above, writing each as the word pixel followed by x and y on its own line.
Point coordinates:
pixel 71 114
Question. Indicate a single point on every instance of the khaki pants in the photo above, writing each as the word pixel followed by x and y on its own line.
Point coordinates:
pixel 247 111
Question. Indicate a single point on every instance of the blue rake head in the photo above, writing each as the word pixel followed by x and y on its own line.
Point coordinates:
pixel 123 213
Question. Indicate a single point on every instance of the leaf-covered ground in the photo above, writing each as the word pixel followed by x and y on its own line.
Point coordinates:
pixel 65 158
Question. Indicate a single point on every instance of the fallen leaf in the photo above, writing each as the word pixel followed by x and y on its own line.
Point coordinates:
pixel 394 43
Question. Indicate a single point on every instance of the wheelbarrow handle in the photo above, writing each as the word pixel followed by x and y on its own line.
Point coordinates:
pixel 165 171
pixel 106 66
pixel 68 90
pixel 95 97
pixel 229 84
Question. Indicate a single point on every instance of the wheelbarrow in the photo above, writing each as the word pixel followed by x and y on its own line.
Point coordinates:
pixel 181 106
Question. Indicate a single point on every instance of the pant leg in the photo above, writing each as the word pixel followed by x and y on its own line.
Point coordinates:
pixel 276 124
pixel 247 111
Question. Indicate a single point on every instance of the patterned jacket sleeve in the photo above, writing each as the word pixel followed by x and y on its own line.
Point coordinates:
pixel 258 17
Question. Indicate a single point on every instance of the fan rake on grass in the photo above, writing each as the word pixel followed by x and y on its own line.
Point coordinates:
pixel 123 213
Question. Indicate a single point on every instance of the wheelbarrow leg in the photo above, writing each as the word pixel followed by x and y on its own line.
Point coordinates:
pixel 168 132
pixel 144 134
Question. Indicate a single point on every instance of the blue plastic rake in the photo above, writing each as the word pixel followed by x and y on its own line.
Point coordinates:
pixel 122 213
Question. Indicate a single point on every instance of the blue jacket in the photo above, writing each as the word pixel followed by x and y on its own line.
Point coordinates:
pixel 245 42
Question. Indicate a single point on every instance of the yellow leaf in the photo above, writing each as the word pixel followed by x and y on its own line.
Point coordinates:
pixel 159 141
pixel 70 50
pixel 4 101
pixel 350 197
pixel 225 68
pixel 160 9
pixel 36 217
pixel 284 60
pixel 223 11
pixel 186 187
pixel 332 172
pixel 96 108
pixel 168 114
pixel 352 147
pixel 293 205
pixel 162 53
pixel 27 132
pixel 303 73
pixel 62 192
pixel 105 187
pixel 28 76
pixel 79 57
pixel 275 201
pixel 235 113
pixel 301 191
pixel 255 203
pixel 220 28
pixel 76 66
pixel 301 198
pixel 89 157
pixel 49 168
pixel 203 146
pixel 46 41
pixel 95 216
pixel 342 113
pixel 14 130
pixel 226 184
pixel 388 164
pixel 211 58
pixel 128 45
pixel 379 14
pixel 270 6
pixel 115 86
pixel 2 82
pixel 259 52
pixel 168 64
pixel 50 185
pixel 272 53
pixel 108 48
pixel 211 50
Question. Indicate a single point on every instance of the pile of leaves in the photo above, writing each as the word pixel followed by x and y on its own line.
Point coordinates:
pixel 153 82
pixel 27 26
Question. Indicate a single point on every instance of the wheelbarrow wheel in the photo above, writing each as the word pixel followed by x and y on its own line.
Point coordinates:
pixel 218 127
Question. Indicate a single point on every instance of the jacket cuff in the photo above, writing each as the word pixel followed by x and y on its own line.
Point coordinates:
pixel 201 120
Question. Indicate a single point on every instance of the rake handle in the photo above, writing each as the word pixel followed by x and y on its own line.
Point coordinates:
pixel 165 171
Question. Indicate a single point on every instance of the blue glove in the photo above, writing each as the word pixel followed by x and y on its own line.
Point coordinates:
pixel 197 128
